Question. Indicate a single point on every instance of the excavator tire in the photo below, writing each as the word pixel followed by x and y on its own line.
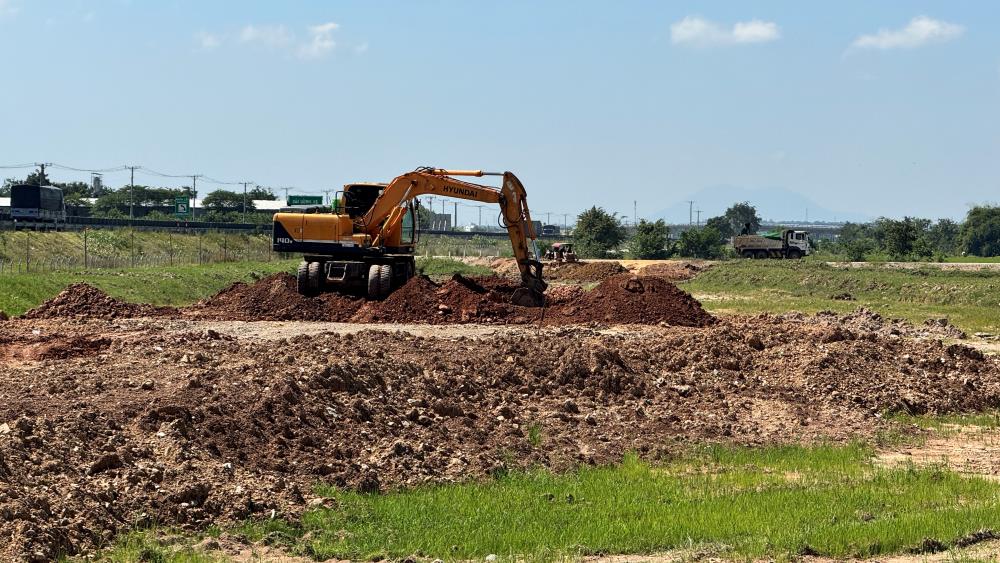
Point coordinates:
pixel 374 282
pixel 385 280
pixel 302 278
pixel 315 278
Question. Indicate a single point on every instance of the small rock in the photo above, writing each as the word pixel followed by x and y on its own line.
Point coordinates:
pixel 185 359
pixel 147 385
pixel 442 308
pixel 570 406
pixel 491 557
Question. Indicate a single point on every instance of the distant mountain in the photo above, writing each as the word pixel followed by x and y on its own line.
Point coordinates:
pixel 773 204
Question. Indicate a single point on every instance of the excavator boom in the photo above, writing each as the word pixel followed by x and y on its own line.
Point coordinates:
pixel 384 215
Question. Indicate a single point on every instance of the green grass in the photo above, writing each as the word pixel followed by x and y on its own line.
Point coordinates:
pixel 123 247
pixel 986 420
pixel 969 299
pixel 733 502
pixel 743 503
pixel 178 285
pixel 449 267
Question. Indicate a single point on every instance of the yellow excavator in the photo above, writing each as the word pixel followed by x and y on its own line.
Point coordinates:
pixel 366 239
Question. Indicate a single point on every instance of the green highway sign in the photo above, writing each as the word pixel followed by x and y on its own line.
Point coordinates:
pixel 305 200
pixel 182 205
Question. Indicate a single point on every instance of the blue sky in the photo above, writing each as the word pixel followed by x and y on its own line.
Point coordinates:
pixel 864 108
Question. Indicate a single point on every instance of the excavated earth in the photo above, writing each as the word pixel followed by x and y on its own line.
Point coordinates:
pixel 619 299
pixel 186 420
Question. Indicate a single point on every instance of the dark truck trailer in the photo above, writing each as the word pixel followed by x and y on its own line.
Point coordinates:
pixel 37 203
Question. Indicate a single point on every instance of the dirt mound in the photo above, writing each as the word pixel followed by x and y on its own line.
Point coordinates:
pixel 460 299
pixel 227 428
pixel 86 301
pixel 582 271
pixel 674 271
pixel 629 299
pixel 274 298
pixel 865 321
pixel 623 299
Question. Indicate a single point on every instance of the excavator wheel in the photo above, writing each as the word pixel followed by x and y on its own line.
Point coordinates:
pixel 315 278
pixel 374 282
pixel 385 280
pixel 525 297
pixel 302 279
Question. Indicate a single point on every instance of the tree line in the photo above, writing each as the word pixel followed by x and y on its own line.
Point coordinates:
pixel 599 233
pixel 148 202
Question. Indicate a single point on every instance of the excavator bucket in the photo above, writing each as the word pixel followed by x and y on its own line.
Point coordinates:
pixel 532 292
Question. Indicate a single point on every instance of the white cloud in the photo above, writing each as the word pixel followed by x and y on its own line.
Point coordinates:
pixel 697 31
pixel 208 41
pixel 270 35
pixel 320 41
pixel 7 8
pixel 920 31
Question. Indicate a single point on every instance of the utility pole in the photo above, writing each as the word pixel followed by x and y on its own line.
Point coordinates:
pixel 698 211
pixel 245 201
pixel 690 208
pixel 548 217
pixel 635 212
pixel 131 193
pixel 456 214
pixel 480 223
pixel 286 194
pixel 564 219
pixel 194 190
pixel 41 166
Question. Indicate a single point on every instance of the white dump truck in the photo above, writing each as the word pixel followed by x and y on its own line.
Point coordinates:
pixel 774 244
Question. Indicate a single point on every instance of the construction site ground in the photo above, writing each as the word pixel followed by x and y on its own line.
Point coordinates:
pixel 115 416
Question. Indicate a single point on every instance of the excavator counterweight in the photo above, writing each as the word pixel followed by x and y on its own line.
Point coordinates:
pixel 366 240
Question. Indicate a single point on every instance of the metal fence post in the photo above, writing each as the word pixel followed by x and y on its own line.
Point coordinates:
pixel 86 255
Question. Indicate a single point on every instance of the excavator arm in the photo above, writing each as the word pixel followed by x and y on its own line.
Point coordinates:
pixel 389 209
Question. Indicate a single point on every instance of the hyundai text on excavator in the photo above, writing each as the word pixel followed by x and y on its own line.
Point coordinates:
pixel 367 239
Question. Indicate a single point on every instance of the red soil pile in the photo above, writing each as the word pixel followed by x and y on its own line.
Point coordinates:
pixel 674 271
pixel 583 271
pixel 629 299
pixel 458 300
pixel 275 298
pixel 622 299
pixel 85 300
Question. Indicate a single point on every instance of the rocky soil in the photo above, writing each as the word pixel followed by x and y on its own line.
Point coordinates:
pixel 105 424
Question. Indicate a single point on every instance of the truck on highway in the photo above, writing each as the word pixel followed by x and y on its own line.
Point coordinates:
pixel 775 244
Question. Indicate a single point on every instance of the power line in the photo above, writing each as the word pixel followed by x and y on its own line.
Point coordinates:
pixel 28 165
pixel 91 170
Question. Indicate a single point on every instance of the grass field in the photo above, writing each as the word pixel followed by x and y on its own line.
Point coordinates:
pixel 43 251
pixel 178 285
pixel 717 501
pixel 969 299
